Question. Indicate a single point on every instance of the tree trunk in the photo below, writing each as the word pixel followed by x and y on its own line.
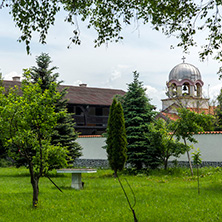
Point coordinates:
pixel 165 163
pixel 198 179
pixel 188 156
pixel 35 186
pixel 115 173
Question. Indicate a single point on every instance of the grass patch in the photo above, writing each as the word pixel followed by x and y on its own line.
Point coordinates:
pixel 161 196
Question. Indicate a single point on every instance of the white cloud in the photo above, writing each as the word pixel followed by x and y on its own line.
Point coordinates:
pixel 151 90
pixel 214 91
pixel 155 95
pixel 115 75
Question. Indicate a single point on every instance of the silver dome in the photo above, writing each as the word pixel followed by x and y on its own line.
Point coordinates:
pixel 185 71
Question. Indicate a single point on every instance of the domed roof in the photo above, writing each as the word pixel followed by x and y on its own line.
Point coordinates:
pixel 185 71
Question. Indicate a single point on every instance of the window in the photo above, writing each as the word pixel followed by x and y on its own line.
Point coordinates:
pixel 78 111
pixel 99 111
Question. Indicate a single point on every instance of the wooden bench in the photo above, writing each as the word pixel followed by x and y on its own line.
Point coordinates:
pixel 76 176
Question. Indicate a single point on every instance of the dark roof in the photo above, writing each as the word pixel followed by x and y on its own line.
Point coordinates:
pixel 81 94
pixel 10 84
pixel 91 96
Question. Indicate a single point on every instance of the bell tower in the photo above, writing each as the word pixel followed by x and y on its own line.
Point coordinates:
pixel 184 89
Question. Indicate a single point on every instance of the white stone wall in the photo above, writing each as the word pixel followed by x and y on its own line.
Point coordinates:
pixel 210 146
pixel 92 147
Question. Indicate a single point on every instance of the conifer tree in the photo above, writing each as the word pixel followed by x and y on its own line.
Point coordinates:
pixel 116 139
pixel 3 153
pixel 138 113
pixel 218 115
pixel 43 71
pixel 64 133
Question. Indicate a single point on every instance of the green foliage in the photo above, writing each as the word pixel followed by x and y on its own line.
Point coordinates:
pixel 43 72
pixel 190 123
pixel 64 133
pixel 196 157
pixel 197 161
pixel 5 162
pixel 138 113
pixel 163 142
pixel 181 18
pixel 3 153
pixel 1 80
pixel 219 112
pixel 116 137
pixel 26 125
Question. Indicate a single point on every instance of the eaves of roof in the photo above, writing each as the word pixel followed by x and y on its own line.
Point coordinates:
pixel 81 95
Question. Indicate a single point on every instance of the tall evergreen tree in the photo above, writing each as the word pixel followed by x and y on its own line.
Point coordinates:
pixel 116 137
pixel 43 71
pixel 3 153
pixel 218 122
pixel 64 133
pixel 138 113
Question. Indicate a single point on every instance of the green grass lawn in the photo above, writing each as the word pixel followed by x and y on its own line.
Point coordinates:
pixel 160 196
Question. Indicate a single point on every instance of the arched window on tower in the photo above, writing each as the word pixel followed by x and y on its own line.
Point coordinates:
pixel 186 89
pixel 198 90
pixel 174 90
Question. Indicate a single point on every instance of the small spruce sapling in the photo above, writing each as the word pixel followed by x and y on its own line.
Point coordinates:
pixel 197 161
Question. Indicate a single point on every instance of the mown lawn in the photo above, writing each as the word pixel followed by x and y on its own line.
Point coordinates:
pixel 160 196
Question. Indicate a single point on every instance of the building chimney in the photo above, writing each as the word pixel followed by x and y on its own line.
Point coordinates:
pixel 83 85
pixel 16 78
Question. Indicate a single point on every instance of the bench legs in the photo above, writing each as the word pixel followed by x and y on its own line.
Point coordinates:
pixel 76 181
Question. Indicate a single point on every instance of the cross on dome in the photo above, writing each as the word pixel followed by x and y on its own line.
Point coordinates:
pixel 183 58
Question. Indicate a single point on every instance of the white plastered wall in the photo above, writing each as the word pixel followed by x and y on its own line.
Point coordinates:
pixel 210 146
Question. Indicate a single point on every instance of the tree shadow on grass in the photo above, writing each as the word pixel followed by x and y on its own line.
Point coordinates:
pixel 16 175
pixel 100 177
pixel 215 188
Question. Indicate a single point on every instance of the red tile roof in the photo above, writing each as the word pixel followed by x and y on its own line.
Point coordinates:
pixel 90 136
pixel 171 116
pixel 100 136
pixel 211 110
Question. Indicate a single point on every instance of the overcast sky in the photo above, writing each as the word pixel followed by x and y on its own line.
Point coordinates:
pixel 142 49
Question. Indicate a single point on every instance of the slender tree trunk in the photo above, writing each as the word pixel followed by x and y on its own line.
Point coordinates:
pixel 115 173
pixel 198 179
pixel 35 185
pixel 165 163
pixel 188 156
pixel 166 160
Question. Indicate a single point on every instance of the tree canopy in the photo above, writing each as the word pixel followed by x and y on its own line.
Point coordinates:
pixel 26 126
pixel 190 123
pixel 43 72
pixel 116 137
pixel 184 19
pixel 162 140
pixel 218 115
pixel 138 113
pixel 64 132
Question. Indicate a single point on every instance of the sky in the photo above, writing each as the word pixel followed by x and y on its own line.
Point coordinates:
pixel 109 66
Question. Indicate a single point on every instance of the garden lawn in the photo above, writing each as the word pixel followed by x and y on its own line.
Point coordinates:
pixel 160 196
